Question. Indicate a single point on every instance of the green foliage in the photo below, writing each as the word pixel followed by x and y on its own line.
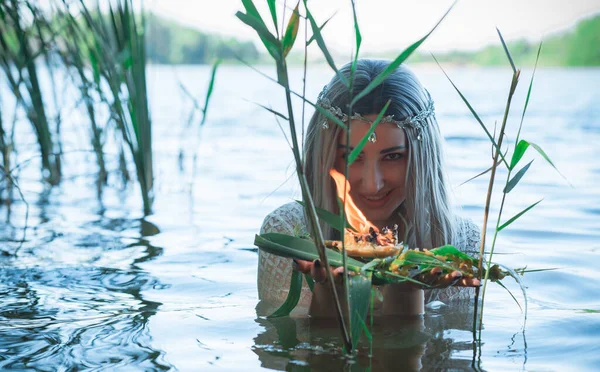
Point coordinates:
pixel 515 180
pixel 20 45
pixel 397 61
pixel 291 31
pixel 579 46
pixel 299 248
pixel 513 219
pixel 330 218
pixel 170 42
pixel 360 295
pixel 209 91
pixel 117 42
pixel 293 296
pixel 475 115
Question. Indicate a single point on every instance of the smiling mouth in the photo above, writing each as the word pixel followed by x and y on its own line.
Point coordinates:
pixel 375 200
pixel 378 197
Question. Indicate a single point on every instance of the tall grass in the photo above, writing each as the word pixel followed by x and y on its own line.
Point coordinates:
pixel 107 53
pixel 102 47
pixel 75 54
pixel 512 180
pixel 17 59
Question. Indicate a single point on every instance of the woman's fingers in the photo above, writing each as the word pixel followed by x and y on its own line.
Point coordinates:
pixel 434 278
pixel 302 266
pixel 318 272
pixel 469 282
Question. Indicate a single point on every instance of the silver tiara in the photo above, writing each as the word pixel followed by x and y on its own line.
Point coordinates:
pixel 417 121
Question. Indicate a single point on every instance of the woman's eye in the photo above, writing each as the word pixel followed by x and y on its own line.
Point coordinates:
pixel 346 155
pixel 394 156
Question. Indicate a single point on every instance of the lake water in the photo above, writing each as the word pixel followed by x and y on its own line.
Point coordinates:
pixel 96 287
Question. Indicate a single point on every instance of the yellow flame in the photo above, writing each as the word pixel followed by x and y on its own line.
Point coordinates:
pixel 354 215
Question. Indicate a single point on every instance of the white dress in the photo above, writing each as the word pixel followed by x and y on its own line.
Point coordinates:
pixel 274 272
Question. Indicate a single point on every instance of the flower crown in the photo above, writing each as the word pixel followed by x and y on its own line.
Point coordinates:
pixel 417 121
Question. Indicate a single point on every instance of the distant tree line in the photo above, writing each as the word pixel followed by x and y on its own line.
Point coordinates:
pixel 579 46
pixel 169 42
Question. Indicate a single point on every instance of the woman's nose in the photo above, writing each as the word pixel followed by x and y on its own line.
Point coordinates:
pixel 372 179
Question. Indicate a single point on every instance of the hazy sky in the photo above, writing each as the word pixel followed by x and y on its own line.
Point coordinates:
pixel 393 24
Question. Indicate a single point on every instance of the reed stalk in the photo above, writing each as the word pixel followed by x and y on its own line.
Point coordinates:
pixel 501 136
pixel 511 182
pixel 74 55
pixel 278 49
pixel 17 59
pixel 118 55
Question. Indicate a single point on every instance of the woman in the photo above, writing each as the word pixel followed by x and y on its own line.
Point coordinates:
pixel 398 179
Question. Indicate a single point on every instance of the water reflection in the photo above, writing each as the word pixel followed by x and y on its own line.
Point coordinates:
pixel 81 315
pixel 441 340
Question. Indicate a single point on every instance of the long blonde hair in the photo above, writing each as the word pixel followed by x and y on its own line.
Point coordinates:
pixel 427 208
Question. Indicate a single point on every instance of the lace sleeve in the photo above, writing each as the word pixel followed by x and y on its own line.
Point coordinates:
pixel 467 239
pixel 274 272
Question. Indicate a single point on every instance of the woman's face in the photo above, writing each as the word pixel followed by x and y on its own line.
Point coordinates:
pixel 378 175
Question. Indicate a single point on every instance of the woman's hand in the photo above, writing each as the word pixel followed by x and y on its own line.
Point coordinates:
pixel 316 270
pixel 435 278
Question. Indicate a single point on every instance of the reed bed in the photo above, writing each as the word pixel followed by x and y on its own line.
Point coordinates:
pixel 20 46
pixel 101 52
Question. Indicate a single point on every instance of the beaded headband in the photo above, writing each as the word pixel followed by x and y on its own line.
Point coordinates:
pixel 417 121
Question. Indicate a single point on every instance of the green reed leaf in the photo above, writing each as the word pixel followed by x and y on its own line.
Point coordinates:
pixel 545 156
pixel 273 11
pixel 292 298
pixel 513 219
pixel 512 64
pixel 365 328
pixel 328 114
pixel 95 67
pixel 383 277
pixel 301 249
pixel 523 271
pixel 276 113
pixel 310 282
pixel 252 11
pixel 450 250
pixel 360 297
pixel 269 40
pixel 354 154
pixel 518 153
pixel 312 38
pixel 515 180
pixel 211 86
pixel 475 115
pixel 291 31
pixel 330 218
pixel 357 34
pixel 529 91
pixel 424 261
pixel 397 62
pixel 482 173
pixel 510 293
pixel 321 43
